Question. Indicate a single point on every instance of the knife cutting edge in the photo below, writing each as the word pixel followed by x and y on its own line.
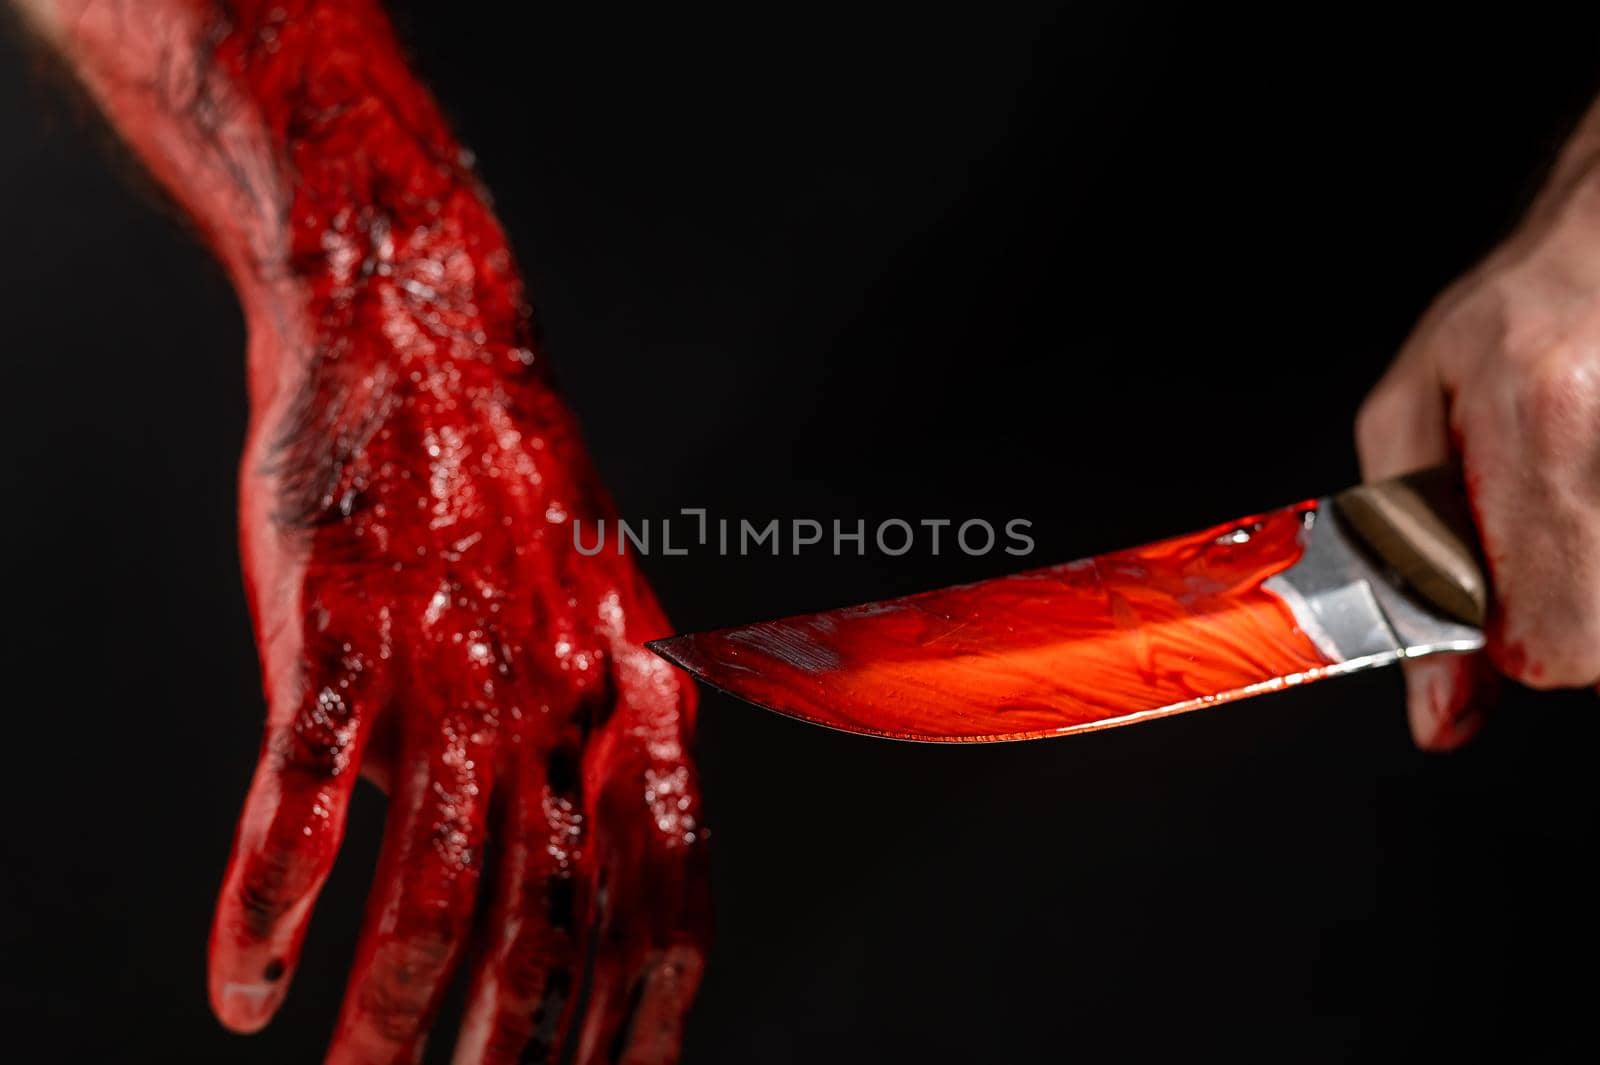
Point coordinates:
pixel 1364 578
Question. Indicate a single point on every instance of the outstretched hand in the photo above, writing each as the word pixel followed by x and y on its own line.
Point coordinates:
pixel 424 619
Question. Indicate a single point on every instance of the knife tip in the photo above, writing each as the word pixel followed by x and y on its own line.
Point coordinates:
pixel 672 648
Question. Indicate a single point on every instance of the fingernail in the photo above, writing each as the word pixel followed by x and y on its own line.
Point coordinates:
pixel 1446 698
pixel 246 1007
pixel 1422 703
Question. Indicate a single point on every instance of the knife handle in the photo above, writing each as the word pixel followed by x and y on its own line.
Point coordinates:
pixel 1421 525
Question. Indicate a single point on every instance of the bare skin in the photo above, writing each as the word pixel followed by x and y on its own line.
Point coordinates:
pixel 1503 375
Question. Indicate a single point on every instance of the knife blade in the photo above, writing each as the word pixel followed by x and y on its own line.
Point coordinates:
pixel 1365 578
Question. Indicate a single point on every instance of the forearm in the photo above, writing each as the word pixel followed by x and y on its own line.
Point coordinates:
pixel 1574 173
pixel 318 169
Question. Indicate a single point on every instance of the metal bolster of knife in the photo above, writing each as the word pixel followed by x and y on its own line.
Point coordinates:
pixel 1420 526
pixel 1391 570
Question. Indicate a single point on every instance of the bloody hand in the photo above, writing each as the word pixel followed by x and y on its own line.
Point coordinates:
pixel 407 495
pixel 1504 372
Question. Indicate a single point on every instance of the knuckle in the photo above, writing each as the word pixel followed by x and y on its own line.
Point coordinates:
pixel 261 903
pixel 267 889
pixel 321 739
pixel 1558 401
pixel 396 997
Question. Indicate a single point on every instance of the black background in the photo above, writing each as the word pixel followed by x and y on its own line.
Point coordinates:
pixel 1120 271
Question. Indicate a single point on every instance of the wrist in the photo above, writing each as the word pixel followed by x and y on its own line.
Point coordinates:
pixel 424 296
pixel 1572 191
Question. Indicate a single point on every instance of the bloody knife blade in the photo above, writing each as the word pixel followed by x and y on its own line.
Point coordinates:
pixel 1329 586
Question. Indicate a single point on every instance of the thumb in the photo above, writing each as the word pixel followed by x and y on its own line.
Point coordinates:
pixel 1447 697
pixel 1402 426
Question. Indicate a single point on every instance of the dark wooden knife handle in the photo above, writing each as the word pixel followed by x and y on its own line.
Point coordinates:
pixel 1421 525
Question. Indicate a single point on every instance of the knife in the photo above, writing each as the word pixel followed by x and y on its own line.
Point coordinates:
pixel 1365 578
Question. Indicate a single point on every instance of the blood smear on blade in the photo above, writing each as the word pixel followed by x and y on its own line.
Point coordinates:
pixel 1170 626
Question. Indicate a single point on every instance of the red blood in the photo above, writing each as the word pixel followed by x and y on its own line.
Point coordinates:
pixel 1153 630
pixel 407 495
